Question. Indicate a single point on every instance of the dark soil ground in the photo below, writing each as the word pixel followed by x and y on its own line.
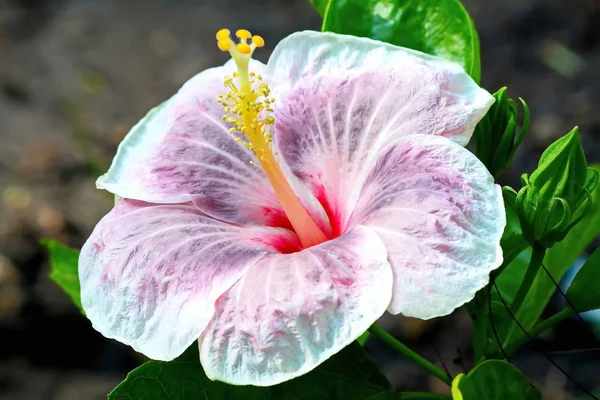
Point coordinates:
pixel 76 75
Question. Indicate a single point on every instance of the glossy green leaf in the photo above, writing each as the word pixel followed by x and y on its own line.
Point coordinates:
pixel 438 27
pixel 497 380
pixel 387 396
pixel 320 5
pixel 456 393
pixel 557 261
pixel 583 291
pixel 350 374
pixel 407 396
pixel 63 269
pixel 180 379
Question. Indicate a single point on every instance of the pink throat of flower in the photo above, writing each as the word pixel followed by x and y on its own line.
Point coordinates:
pixel 307 230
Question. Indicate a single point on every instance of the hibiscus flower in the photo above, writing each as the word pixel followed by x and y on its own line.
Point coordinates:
pixel 275 217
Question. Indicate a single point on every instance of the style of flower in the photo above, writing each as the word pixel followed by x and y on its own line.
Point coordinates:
pixel 276 219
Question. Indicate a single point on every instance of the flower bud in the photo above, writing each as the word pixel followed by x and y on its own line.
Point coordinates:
pixel 557 194
pixel 497 135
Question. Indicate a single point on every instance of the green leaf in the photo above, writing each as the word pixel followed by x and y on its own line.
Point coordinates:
pixel 320 5
pixel 350 374
pixel 456 394
pixel 387 396
pixel 439 27
pixel 583 291
pixel 180 379
pixel 497 380
pixel 63 263
pixel 407 396
pixel 558 260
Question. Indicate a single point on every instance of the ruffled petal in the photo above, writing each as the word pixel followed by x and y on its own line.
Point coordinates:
pixel 182 151
pixel 440 215
pixel 346 98
pixel 151 273
pixel 291 312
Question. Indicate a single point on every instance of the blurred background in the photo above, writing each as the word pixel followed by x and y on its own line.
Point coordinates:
pixel 75 75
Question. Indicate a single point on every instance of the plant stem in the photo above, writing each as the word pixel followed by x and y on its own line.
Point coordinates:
pixel 410 354
pixel 553 320
pixel 539 328
pixel 423 395
pixel 535 263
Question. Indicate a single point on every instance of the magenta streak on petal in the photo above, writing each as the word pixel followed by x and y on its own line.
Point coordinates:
pixel 332 210
pixel 282 244
pixel 276 217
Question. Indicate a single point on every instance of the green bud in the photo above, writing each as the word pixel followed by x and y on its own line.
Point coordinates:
pixel 497 135
pixel 557 194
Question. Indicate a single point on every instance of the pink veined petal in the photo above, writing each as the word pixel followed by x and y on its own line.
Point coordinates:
pixel 440 215
pixel 291 312
pixel 151 273
pixel 182 151
pixel 348 97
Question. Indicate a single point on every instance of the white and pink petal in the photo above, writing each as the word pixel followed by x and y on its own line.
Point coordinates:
pixel 291 312
pixel 150 273
pixel 182 151
pixel 440 215
pixel 388 83
pixel 130 173
pixel 342 99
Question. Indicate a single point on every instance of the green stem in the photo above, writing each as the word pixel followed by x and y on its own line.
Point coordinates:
pixel 553 320
pixel 479 324
pixel 539 328
pixel 410 354
pixel 535 263
pixel 423 395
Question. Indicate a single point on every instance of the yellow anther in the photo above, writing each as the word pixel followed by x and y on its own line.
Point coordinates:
pixel 224 44
pixel 223 34
pixel 244 48
pixel 258 41
pixel 243 34
pixel 245 103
